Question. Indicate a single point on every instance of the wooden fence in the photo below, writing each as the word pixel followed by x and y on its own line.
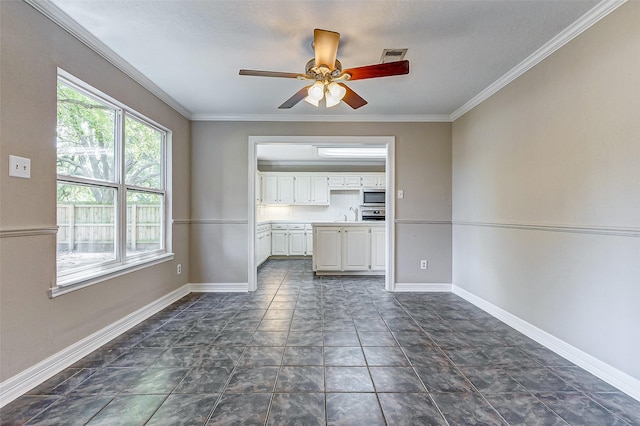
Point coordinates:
pixel 92 227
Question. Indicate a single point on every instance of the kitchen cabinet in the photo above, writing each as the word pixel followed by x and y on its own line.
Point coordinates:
pixel 277 189
pixel 355 181
pixel 291 239
pixel 320 189
pixel 258 188
pixel 308 238
pixel 378 248
pixel 296 243
pixel 356 248
pixel 263 243
pixel 327 250
pixel 377 180
pixel 279 241
pixel 312 190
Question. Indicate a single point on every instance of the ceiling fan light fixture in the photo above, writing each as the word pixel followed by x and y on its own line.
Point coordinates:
pixel 336 90
pixel 314 102
pixel 316 91
pixel 331 100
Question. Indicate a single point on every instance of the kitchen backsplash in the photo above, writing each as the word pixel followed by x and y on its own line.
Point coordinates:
pixel 339 204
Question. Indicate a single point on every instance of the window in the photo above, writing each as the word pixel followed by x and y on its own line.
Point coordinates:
pixel 111 186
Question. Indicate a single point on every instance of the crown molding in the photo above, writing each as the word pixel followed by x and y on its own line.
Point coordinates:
pixel 438 118
pixel 55 14
pixel 572 31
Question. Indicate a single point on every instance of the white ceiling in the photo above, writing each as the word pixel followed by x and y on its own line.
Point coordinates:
pixel 189 52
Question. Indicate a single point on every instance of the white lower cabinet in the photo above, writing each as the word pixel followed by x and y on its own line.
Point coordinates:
pixel 296 243
pixel 378 249
pixel 308 239
pixel 279 242
pixel 327 250
pixel 355 249
pixel 263 243
pixel 289 239
pixel 351 249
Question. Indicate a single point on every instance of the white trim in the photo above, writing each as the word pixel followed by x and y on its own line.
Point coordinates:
pixel 219 287
pixel 426 118
pixel 574 229
pixel 423 287
pixel 611 375
pixel 583 23
pixel 55 14
pixel 388 141
pixel 26 380
pixel 92 277
pixel 28 232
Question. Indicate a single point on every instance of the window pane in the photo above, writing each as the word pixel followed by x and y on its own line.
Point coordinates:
pixel 86 220
pixel 85 136
pixel 144 222
pixel 143 154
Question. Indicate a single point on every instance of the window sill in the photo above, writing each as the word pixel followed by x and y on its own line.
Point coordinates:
pixel 73 283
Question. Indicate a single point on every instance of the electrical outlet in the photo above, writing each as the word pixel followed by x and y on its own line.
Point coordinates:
pixel 423 264
pixel 19 167
pixel 179 268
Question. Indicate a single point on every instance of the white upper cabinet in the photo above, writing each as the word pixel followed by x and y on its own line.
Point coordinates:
pixel 377 180
pixel 320 189
pixel 356 180
pixel 269 189
pixel 277 189
pixel 302 189
pixel 310 188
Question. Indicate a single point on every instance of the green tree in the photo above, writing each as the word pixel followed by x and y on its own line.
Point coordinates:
pixel 86 145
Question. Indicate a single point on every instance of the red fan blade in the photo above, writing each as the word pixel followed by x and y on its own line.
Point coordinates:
pixel 325 46
pixel 300 95
pixel 352 99
pixel 257 73
pixel 378 70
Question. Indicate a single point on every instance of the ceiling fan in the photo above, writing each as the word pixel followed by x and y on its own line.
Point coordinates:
pixel 328 77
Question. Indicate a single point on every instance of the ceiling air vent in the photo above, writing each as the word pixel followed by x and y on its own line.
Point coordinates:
pixel 392 55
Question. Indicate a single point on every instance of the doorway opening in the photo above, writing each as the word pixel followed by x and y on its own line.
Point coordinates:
pixel 333 141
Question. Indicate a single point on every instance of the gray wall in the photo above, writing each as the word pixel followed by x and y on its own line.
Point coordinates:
pixel 32 326
pixel 559 147
pixel 220 200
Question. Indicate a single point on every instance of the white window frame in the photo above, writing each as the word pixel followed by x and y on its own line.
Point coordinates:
pixel 123 263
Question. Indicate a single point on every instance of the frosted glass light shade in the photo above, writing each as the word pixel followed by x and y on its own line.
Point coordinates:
pixel 336 90
pixel 316 92
pixel 312 101
pixel 331 100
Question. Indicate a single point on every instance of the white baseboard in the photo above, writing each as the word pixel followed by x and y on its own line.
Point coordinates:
pixel 611 375
pixel 26 380
pixel 422 287
pixel 219 287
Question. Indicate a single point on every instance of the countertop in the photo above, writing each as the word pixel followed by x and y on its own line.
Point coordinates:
pixel 360 223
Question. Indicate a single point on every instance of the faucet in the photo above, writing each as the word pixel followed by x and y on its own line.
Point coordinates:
pixel 355 213
pixel 345 217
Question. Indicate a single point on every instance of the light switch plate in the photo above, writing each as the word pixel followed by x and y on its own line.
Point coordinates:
pixel 400 193
pixel 19 167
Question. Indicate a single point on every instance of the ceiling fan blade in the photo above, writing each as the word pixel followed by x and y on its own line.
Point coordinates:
pixel 352 99
pixel 325 45
pixel 258 73
pixel 379 70
pixel 300 95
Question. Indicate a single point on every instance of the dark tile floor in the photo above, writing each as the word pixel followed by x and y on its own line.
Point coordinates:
pixel 334 350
